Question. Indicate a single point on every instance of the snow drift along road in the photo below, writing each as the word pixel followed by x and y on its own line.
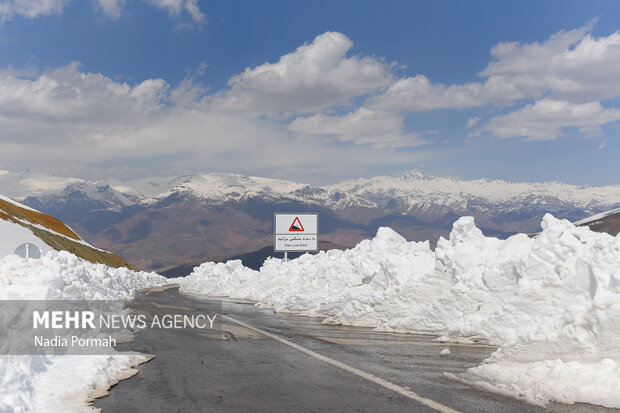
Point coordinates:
pixel 59 383
pixel 63 383
pixel 552 302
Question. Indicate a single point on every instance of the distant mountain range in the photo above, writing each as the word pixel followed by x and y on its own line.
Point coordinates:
pixel 163 223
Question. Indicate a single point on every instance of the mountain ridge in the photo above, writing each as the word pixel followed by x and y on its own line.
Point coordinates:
pixel 229 186
pixel 163 222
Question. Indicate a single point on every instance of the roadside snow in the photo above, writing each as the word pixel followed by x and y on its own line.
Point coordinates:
pixel 552 302
pixel 63 383
pixel 63 276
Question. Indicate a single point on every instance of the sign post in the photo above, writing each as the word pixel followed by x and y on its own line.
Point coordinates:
pixel 296 232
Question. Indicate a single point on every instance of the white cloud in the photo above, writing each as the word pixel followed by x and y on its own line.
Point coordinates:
pixel 471 122
pixel 417 94
pixel 591 131
pixel 366 127
pixel 314 77
pixel 74 119
pixel 30 9
pixel 192 8
pixel 67 95
pixel 545 119
pixel 570 65
pixel 33 9
pixel 175 8
pixel 73 123
pixel 112 8
pixel 71 119
pixel 567 76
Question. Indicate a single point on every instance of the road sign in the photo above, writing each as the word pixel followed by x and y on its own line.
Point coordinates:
pixel 296 232
pixel 28 250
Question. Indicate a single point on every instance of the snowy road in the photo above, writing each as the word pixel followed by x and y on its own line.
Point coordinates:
pixel 266 362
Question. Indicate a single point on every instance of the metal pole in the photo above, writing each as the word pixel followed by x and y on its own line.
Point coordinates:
pixel 27 251
pixel 285 256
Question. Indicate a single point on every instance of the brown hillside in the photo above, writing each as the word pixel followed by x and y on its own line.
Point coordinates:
pixel 29 215
pixel 609 224
pixel 16 214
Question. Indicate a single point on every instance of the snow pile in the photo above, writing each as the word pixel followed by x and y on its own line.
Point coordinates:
pixel 63 276
pixel 552 302
pixel 63 383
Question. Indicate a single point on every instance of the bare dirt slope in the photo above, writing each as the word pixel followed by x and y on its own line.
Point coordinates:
pixel 56 234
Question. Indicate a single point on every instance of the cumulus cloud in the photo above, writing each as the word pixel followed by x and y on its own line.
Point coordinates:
pixel 471 122
pixel 33 9
pixel 567 76
pixel 176 7
pixel 571 65
pixel 314 77
pixel 192 8
pixel 30 9
pixel 112 8
pixel 545 119
pixel 74 123
pixel 418 93
pixel 68 95
pixel 270 114
pixel 69 116
pixel 378 129
pixel 173 7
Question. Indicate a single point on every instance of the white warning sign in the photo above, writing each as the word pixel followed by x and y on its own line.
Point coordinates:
pixel 296 232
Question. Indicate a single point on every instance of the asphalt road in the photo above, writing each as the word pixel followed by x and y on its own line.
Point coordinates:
pixel 287 363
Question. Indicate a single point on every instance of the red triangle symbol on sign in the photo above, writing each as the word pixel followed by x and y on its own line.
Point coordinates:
pixel 296 225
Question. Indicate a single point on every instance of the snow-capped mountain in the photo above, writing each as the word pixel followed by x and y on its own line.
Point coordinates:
pixel 411 191
pixel 415 190
pixel 165 221
pixel 220 188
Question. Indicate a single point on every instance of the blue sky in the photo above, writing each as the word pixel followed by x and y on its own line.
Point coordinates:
pixel 317 91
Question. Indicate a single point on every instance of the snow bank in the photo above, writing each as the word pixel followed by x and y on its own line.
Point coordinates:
pixel 63 276
pixel 552 302
pixel 63 383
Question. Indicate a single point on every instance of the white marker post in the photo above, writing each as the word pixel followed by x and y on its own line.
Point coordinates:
pixel 296 232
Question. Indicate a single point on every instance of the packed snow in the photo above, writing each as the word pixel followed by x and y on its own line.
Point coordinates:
pixel 14 235
pixel 50 383
pixel 552 302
